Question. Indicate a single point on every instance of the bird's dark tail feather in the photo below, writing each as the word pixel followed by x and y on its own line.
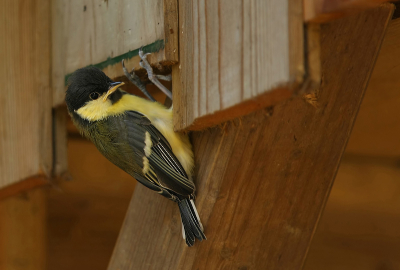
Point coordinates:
pixel 191 224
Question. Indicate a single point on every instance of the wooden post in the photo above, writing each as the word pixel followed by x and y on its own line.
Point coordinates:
pixel 263 180
pixel 26 98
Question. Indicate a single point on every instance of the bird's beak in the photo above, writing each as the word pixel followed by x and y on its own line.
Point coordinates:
pixel 114 87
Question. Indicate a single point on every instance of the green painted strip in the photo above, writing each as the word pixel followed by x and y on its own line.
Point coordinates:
pixel 151 48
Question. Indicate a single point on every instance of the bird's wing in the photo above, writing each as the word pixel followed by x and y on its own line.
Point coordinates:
pixel 152 154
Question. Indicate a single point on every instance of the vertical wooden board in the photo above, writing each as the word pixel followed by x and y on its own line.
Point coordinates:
pixel 23 231
pixel 58 49
pixel 25 100
pixel 262 181
pixel 241 56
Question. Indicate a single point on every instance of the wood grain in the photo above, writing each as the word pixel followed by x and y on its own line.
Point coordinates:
pixel 236 57
pixel 325 10
pixel 262 181
pixel 26 99
pixel 377 129
pixel 23 231
pixel 171 31
pixel 102 33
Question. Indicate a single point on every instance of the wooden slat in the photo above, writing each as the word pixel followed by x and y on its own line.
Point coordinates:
pixel 377 129
pixel 236 57
pixel 103 33
pixel 23 231
pixel 26 99
pixel 262 180
pixel 326 10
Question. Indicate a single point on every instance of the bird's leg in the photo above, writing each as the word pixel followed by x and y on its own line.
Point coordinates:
pixel 152 77
pixel 136 81
pixel 164 77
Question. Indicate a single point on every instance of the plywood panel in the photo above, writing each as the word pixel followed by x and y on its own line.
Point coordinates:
pixel 26 99
pixel 262 180
pixel 236 57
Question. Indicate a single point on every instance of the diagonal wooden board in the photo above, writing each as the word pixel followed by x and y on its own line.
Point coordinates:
pixel 263 180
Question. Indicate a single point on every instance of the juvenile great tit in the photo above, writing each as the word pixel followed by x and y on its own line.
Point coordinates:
pixel 136 135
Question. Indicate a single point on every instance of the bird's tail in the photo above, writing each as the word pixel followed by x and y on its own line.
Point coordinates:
pixel 191 224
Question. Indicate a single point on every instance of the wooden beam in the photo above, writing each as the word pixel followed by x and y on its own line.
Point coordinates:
pixel 262 180
pixel 376 132
pixel 23 231
pixel 236 57
pixel 26 99
pixel 325 10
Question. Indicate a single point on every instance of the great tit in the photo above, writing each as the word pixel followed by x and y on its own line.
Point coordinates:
pixel 136 135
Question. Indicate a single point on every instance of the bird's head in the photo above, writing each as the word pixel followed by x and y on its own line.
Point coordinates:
pixel 91 93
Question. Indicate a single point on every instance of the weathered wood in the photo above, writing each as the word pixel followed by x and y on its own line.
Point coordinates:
pixel 262 180
pixel 377 128
pixel 236 57
pixel 23 231
pixel 326 10
pixel 102 33
pixel 26 99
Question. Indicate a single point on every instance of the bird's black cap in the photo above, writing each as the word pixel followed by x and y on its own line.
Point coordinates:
pixel 82 83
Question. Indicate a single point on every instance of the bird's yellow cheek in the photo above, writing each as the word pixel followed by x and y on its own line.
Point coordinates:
pixel 95 110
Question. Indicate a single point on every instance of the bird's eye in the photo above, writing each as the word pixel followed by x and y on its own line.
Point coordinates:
pixel 94 95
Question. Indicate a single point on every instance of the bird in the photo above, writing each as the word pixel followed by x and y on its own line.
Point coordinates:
pixel 137 136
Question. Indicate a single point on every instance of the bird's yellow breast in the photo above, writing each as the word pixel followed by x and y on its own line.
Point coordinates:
pixel 160 117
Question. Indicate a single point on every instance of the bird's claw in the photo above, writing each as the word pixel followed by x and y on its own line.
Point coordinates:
pixel 136 81
pixel 153 78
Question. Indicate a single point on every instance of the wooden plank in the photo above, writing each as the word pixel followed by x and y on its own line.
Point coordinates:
pixel 376 131
pixel 236 57
pixel 262 180
pixel 325 10
pixel 102 33
pixel 23 231
pixel 359 227
pixel 171 30
pixel 25 111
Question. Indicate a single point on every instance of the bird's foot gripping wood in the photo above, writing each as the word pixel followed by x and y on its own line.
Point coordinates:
pixel 152 77
pixel 133 78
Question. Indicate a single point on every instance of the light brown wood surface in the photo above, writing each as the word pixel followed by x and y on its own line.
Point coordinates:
pixel 377 127
pixel 236 57
pixel 103 33
pixel 23 236
pixel 26 99
pixel 326 10
pixel 262 180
